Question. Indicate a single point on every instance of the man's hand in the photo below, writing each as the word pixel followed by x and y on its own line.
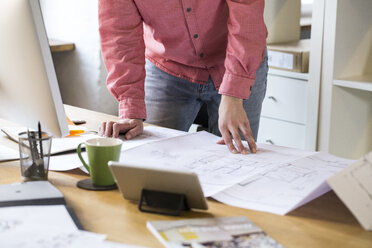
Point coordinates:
pixel 232 121
pixel 131 128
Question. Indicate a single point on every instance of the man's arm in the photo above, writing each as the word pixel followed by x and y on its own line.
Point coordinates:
pixel 123 51
pixel 244 54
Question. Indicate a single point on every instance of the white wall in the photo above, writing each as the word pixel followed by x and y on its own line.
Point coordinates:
pixel 81 73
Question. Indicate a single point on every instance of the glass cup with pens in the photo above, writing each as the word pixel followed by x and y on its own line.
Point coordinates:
pixel 34 149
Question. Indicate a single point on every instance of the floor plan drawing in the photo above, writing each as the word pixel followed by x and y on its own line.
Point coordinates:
pixel 285 186
pixel 216 167
pixel 275 179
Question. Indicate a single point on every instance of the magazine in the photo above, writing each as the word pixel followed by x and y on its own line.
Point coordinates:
pixel 222 232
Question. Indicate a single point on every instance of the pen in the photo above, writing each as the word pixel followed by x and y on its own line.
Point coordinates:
pixel 40 140
pixel 40 164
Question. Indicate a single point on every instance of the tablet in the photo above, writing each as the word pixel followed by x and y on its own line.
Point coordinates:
pixel 132 179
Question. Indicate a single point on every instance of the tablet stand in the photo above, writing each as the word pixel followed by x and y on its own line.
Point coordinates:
pixel 160 202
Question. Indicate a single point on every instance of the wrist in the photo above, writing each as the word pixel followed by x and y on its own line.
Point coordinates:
pixel 232 99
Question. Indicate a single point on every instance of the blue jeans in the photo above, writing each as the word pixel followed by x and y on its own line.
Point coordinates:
pixel 175 102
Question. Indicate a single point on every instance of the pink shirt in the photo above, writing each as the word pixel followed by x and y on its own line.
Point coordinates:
pixel 191 39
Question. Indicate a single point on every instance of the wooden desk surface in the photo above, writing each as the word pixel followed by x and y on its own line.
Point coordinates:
pixel 324 222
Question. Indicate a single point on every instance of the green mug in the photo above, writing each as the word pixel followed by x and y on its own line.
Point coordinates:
pixel 100 151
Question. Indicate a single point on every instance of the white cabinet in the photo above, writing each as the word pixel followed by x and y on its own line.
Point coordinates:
pixel 284 111
pixel 283 133
pixel 285 99
pixel 337 109
pixel 345 126
pixel 290 109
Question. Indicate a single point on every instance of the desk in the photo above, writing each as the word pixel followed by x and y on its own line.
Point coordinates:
pixel 324 222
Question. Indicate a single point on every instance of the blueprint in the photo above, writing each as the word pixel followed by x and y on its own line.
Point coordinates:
pixel 354 187
pixel 275 179
pixel 285 187
pixel 217 168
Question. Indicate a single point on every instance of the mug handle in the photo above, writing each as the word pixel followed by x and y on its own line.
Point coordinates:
pixel 78 150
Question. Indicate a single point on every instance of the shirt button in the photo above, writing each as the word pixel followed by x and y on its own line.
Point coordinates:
pixel 188 9
pixel 196 36
pixel 201 55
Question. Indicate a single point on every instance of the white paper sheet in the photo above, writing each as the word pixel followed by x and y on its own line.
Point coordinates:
pixel 41 236
pixel 66 162
pixel 150 134
pixel 216 167
pixel 15 219
pixel 275 179
pixel 46 227
pixel 285 187
pixel 109 244
pixel 8 154
pixel 59 145
pixel 354 187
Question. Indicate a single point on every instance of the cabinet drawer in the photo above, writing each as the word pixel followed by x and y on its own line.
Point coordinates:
pixel 281 133
pixel 285 99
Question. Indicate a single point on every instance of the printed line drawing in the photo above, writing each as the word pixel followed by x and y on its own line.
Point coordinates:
pixel 6 225
pixel 362 175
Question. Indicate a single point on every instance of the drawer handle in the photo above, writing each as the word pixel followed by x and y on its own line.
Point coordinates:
pixel 269 141
pixel 272 98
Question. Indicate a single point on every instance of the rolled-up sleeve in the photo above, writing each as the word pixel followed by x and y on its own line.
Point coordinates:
pixel 123 51
pixel 245 47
